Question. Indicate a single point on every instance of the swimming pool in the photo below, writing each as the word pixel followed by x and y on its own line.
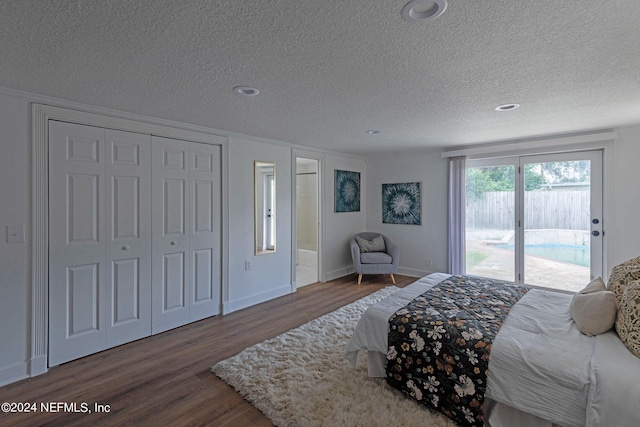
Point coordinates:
pixel 572 254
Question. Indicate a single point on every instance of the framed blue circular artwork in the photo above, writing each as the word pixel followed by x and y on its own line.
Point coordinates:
pixel 347 191
pixel 401 203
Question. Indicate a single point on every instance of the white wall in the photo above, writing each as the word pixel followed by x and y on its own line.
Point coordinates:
pixel 270 274
pixel 625 232
pixel 14 257
pixel 340 226
pixel 418 243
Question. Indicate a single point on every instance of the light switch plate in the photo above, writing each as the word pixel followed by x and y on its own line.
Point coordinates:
pixel 15 234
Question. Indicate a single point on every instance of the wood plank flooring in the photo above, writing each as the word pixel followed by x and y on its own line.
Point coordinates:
pixel 164 380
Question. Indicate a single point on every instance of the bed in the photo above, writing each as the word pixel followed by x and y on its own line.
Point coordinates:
pixel 543 371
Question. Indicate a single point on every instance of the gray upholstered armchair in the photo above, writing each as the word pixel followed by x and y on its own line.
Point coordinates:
pixel 374 261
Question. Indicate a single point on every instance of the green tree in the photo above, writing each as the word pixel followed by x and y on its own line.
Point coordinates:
pixel 489 178
pixel 565 172
pixel 533 179
pixel 501 178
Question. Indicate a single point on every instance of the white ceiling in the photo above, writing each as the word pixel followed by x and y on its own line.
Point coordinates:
pixel 328 70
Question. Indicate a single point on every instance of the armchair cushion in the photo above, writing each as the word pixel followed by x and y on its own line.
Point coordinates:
pixel 375 258
pixel 374 245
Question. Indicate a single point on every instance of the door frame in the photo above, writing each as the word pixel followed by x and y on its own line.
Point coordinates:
pixel 321 217
pixel 497 154
pixel 596 208
pixel 41 114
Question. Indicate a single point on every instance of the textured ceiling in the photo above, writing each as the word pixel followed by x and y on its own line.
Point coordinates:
pixel 329 70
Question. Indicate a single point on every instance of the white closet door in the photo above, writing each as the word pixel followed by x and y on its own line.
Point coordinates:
pixel 204 239
pixel 100 231
pixel 170 223
pixel 134 237
pixel 128 236
pixel 186 199
pixel 77 261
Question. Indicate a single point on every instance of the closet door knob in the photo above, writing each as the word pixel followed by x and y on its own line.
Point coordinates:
pixel 173 243
pixel 125 248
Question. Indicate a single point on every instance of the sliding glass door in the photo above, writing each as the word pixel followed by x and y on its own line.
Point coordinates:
pixel 490 218
pixel 562 219
pixel 536 219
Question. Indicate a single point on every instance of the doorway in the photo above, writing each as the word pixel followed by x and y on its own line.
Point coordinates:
pixel 536 219
pixel 307 221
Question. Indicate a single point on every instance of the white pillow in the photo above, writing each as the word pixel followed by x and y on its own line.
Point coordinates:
pixel 596 285
pixel 594 308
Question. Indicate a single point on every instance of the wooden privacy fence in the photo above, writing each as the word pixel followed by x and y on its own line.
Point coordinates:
pixel 569 210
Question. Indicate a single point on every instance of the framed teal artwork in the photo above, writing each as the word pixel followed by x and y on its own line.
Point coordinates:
pixel 347 190
pixel 401 203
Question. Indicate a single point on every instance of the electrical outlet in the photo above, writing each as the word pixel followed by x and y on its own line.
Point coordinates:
pixel 428 262
pixel 247 265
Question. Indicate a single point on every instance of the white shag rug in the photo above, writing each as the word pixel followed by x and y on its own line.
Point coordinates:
pixel 302 378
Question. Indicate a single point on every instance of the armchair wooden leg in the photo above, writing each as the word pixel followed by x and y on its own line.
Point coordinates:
pixel 393 279
pixel 359 279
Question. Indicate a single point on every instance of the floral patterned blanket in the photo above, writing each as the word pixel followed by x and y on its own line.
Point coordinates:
pixel 439 344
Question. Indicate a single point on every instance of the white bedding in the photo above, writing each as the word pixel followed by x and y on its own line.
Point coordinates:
pixel 558 374
pixel 540 362
pixel 614 400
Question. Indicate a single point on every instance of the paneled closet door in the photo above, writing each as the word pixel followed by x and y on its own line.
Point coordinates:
pixel 171 223
pixel 186 232
pixel 205 230
pixel 99 262
pixel 76 241
pixel 128 236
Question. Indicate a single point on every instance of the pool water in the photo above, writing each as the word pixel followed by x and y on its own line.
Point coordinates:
pixel 572 254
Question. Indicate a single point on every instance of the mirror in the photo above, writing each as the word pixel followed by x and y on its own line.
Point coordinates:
pixel 265 207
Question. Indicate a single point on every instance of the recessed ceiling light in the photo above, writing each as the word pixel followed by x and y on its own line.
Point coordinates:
pixel 507 107
pixel 373 132
pixel 423 10
pixel 246 90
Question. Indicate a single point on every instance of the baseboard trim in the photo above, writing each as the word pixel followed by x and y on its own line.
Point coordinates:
pixel 38 365
pixel 239 304
pixel 13 373
pixel 413 272
pixel 336 274
pixel 345 271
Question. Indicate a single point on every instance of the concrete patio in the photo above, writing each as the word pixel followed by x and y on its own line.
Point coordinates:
pixel 499 264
